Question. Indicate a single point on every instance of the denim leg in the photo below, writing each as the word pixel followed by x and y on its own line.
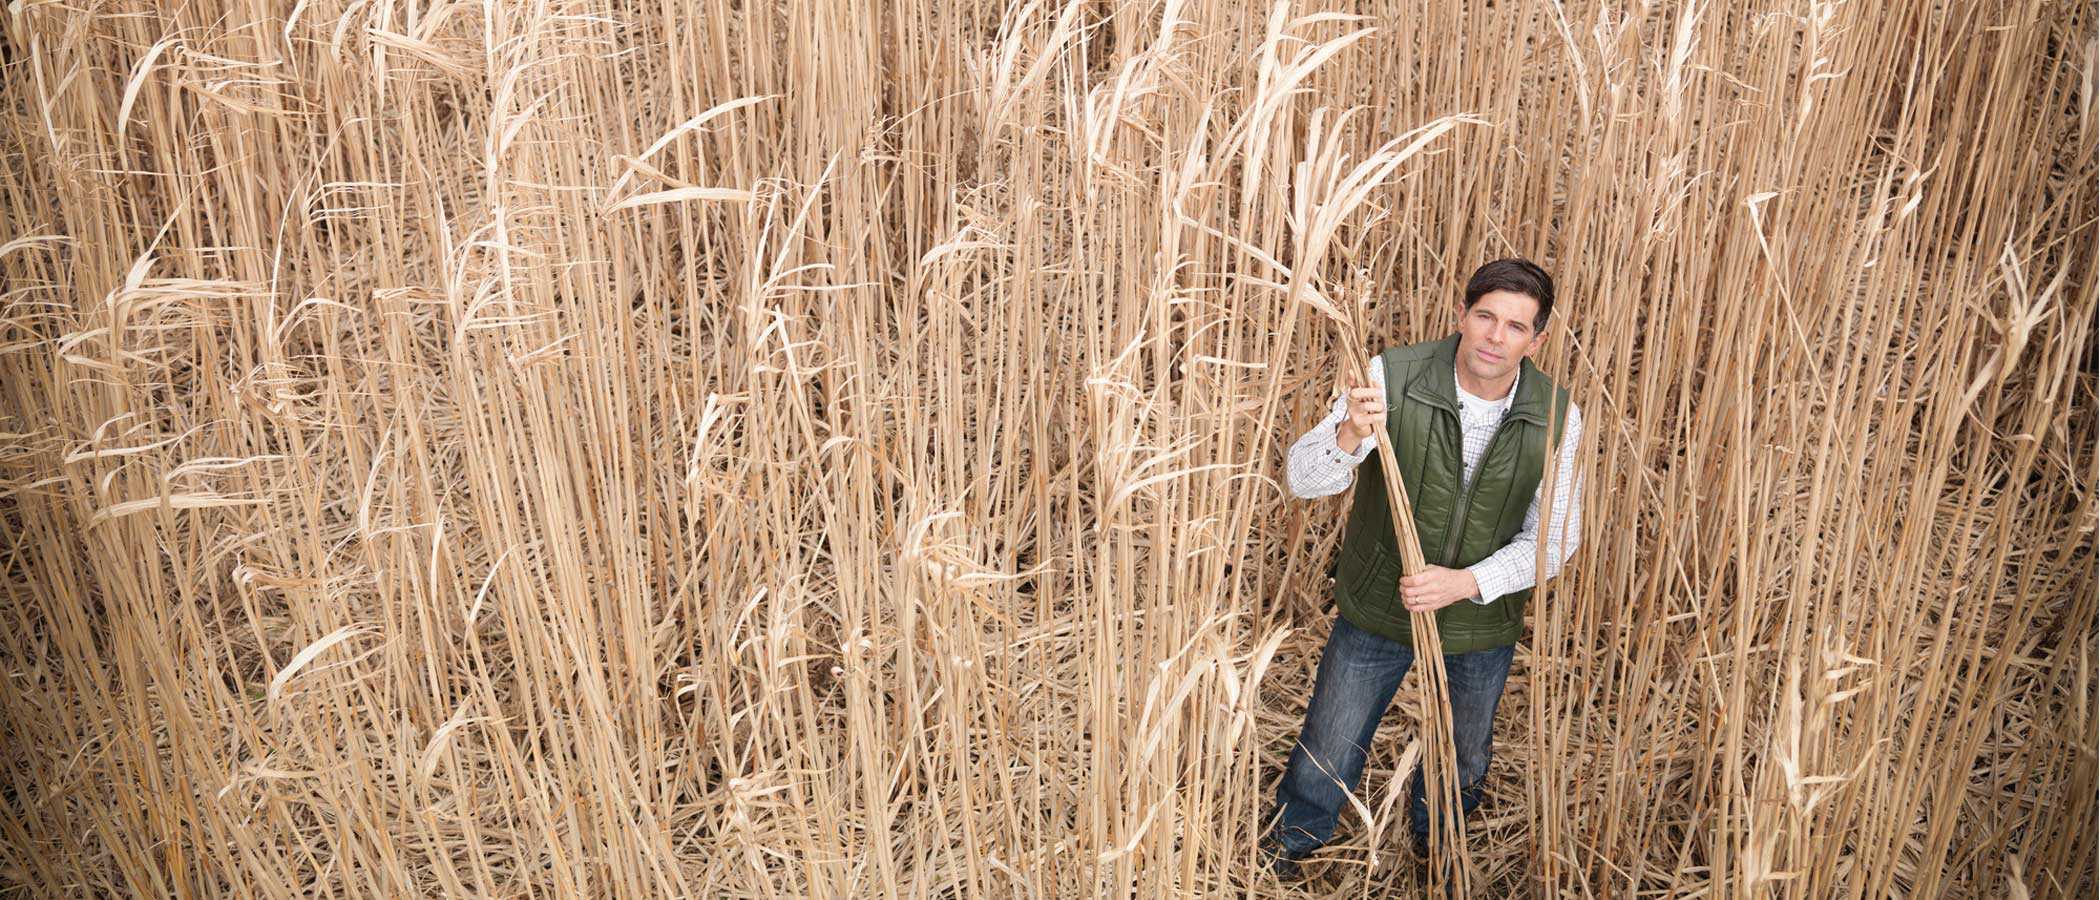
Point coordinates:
pixel 1477 680
pixel 1359 672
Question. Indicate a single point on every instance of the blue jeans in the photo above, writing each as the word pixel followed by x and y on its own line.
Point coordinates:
pixel 1359 671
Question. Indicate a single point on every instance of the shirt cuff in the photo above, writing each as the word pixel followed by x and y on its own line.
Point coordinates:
pixel 1489 590
pixel 1335 454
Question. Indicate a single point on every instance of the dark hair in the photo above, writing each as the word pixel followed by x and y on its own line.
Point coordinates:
pixel 1520 276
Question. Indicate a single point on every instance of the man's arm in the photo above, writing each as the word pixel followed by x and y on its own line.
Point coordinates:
pixel 1515 566
pixel 1317 465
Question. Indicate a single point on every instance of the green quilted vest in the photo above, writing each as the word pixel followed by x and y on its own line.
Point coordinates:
pixel 1458 525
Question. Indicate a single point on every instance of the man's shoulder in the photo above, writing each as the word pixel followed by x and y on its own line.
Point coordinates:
pixel 1550 400
pixel 1415 352
pixel 1409 356
pixel 1571 419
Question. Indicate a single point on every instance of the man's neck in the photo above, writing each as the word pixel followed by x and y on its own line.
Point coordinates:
pixel 1485 391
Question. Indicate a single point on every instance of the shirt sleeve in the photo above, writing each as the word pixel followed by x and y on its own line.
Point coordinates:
pixel 1515 566
pixel 1317 467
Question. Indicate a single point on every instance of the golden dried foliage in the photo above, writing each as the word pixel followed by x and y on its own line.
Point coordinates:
pixel 833 449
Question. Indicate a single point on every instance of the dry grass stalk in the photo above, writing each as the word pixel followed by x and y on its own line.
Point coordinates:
pixel 830 449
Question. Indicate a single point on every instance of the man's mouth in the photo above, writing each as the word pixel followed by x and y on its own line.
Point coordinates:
pixel 1490 357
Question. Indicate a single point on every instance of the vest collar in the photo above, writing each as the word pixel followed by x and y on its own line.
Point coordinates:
pixel 1437 385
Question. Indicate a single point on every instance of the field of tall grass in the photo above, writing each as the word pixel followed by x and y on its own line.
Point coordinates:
pixel 824 449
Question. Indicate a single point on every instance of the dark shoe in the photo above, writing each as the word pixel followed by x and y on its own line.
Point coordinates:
pixel 1431 870
pixel 1281 864
pixel 1286 870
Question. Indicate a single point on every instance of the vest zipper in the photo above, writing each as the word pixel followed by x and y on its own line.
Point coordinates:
pixel 1465 498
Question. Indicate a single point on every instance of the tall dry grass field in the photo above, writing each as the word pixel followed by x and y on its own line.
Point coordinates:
pixel 834 450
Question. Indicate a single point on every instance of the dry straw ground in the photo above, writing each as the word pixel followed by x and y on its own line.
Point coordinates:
pixel 764 449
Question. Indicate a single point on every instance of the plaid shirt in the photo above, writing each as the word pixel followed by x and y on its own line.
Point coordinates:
pixel 1319 468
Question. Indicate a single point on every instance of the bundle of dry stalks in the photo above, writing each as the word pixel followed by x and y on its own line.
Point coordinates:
pixel 822 449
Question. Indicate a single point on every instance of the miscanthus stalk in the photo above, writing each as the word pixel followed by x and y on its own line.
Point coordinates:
pixel 826 448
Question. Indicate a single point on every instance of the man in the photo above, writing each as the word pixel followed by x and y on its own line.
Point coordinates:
pixel 1473 422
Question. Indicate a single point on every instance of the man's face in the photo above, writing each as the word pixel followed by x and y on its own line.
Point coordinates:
pixel 1495 334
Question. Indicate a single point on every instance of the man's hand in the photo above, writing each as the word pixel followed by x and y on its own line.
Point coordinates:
pixel 1436 587
pixel 1366 417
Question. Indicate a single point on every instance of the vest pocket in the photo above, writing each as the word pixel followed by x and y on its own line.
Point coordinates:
pixel 1377 582
pixel 1513 607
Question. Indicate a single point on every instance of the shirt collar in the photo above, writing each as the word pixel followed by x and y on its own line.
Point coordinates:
pixel 1466 398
